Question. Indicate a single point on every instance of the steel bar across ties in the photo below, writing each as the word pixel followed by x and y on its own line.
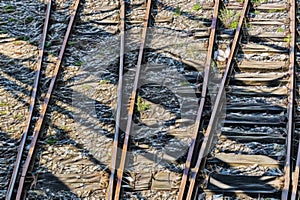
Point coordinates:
pixel 31 106
pixel 110 192
pixel 132 103
pixel 202 101
pixel 39 123
pixel 218 104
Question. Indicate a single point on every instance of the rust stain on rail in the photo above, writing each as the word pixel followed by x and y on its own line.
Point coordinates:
pixel 39 123
pixel 132 103
pixel 291 113
pixel 110 192
pixel 218 104
pixel 202 101
pixel 31 106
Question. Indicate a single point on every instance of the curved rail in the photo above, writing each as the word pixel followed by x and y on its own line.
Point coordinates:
pixel 110 192
pixel 131 110
pixel 39 123
pixel 202 101
pixel 218 104
pixel 31 106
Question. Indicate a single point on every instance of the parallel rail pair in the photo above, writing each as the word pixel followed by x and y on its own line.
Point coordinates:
pixel 114 188
pixel 186 191
pixel 16 178
pixel 188 182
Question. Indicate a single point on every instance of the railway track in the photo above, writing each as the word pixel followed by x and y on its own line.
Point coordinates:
pixel 114 188
pixel 243 159
pixel 138 146
pixel 296 146
pixel 18 180
pixel 161 149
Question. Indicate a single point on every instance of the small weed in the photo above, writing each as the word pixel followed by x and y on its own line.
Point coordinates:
pixel 78 63
pixel 71 43
pixel 4 104
pixel 11 19
pixel 9 8
pixel 18 42
pixel 256 12
pixel 229 18
pixel 240 1
pixel 274 10
pixel 141 104
pixel 197 7
pixel 258 2
pixel 51 53
pixel 177 11
pixel 3 112
pixel 280 30
pixel 18 117
pixel 48 44
pixel 3 31
pixel 288 38
pixel 233 25
pixel 28 20
pixel 51 140
pixel 104 81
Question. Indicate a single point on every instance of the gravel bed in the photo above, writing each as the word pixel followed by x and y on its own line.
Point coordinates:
pixel 250 148
pixel 77 136
pixel 78 133
pixel 235 197
pixel 19 34
pixel 253 170
pixel 254 100
pixel 260 129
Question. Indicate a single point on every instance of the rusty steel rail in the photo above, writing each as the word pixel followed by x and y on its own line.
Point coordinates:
pixel 42 113
pixel 202 101
pixel 110 191
pixel 208 136
pixel 31 105
pixel 296 174
pixel 131 106
pixel 291 111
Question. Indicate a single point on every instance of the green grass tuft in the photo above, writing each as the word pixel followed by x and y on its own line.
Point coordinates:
pixel 104 81
pixel 141 104
pixel 177 11
pixel 288 38
pixel 197 7
pixel 4 104
pixel 3 31
pixel 230 18
pixel 28 19
pixel 256 12
pixel 47 44
pixel 51 140
pixel 11 19
pixel 280 30
pixel 78 63
pixel 71 43
pixel 9 8
pixel 18 42
pixel 233 25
